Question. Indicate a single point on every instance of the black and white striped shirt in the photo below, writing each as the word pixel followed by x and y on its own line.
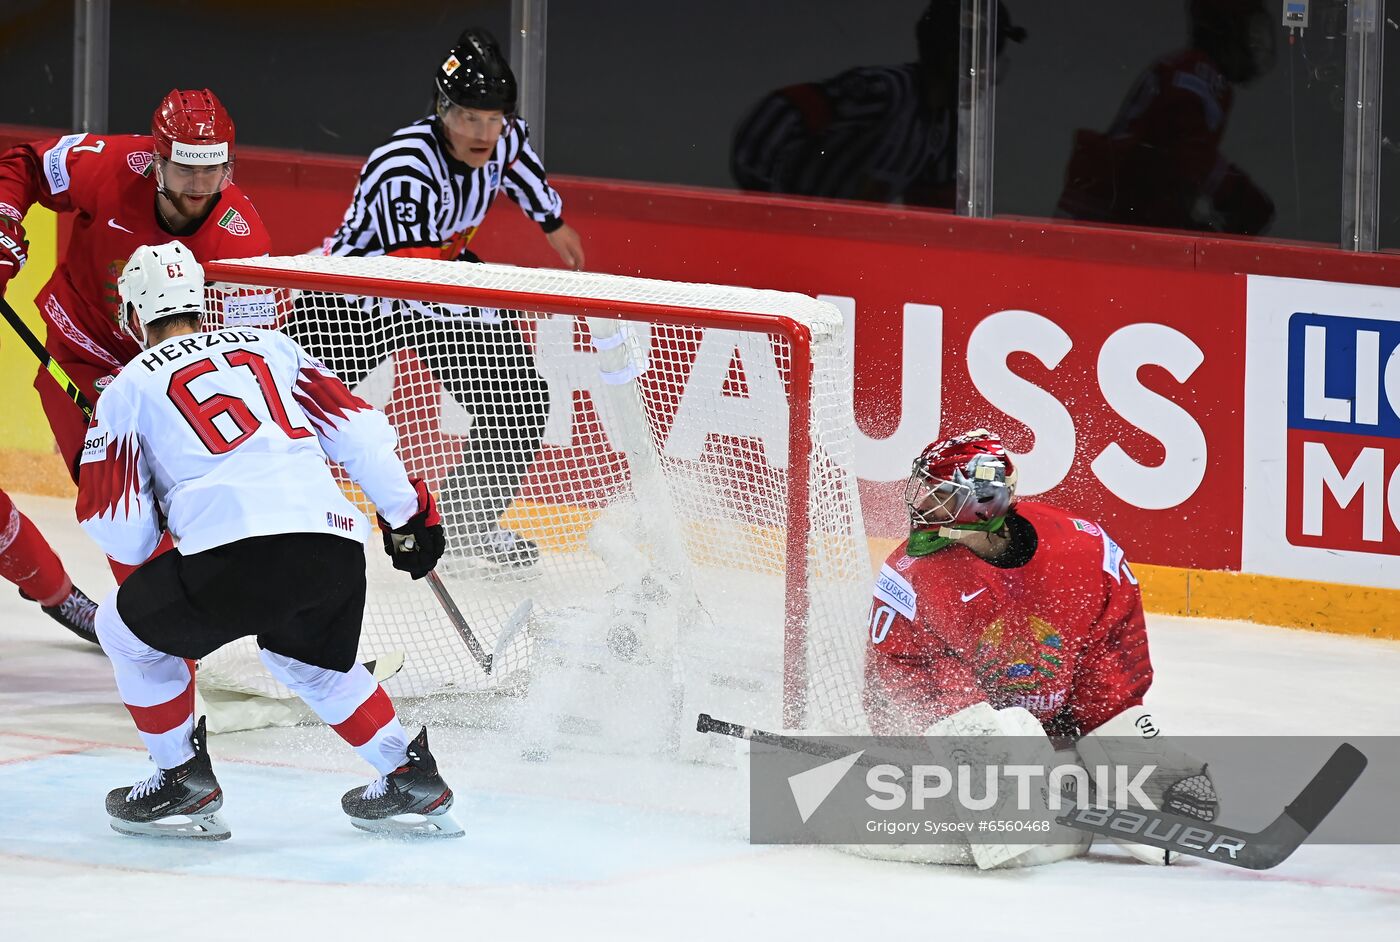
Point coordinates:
pixel 869 134
pixel 413 194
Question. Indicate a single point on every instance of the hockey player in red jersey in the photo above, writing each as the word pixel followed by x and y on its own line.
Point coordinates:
pixel 1020 607
pixel 123 191
pixel 223 439
pixel 27 560
pixel 1012 602
pixel 1160 163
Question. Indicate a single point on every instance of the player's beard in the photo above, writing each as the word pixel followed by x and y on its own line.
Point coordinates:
pixel 193 207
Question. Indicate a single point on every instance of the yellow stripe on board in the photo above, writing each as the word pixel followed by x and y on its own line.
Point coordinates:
pixel 1270 600
pixel 23 427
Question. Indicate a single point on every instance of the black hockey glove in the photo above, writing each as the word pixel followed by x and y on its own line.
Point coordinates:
pixel 416 546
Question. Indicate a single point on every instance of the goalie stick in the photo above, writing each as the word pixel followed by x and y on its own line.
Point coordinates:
pixel 1260 850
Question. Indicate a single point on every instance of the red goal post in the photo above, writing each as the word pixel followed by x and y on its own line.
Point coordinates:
pixel 808 333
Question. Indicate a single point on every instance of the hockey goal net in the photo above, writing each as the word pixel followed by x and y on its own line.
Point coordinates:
pixel 647 472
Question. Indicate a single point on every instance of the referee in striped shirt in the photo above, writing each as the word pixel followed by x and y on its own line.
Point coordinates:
pixel 424 193
pixel 884 134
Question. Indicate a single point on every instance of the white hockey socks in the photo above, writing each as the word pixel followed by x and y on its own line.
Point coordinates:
pixel 157 688
pixel 351 703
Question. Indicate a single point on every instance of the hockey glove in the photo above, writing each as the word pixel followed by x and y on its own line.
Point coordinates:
pixel 14 248
pixel 416 546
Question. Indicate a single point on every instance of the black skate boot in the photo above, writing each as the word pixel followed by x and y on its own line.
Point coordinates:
pixel 414 788
pixel 77 613
pixel 189 791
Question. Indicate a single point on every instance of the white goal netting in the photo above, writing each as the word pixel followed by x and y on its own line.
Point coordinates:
pixel 638 474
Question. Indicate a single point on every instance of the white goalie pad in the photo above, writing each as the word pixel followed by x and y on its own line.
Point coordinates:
pixel 981 722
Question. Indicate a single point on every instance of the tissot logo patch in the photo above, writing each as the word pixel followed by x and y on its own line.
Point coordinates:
pixel 94 445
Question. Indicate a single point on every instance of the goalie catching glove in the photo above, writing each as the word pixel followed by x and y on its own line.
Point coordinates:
pixel 1179 784
pixel 416 546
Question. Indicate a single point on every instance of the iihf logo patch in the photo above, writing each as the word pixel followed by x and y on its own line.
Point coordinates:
pixel 493 174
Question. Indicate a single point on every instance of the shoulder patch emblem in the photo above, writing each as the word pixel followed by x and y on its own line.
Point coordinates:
pixel 1084 525
pixel 1114 561
pixel 94 445
pixel 234 222
pixel 140 162
pixel 896 592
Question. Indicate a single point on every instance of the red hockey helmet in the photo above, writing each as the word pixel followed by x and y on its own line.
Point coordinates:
pixel 193 127
pixel 969 479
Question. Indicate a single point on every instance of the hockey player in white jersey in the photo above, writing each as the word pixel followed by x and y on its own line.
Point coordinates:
pixel 221 438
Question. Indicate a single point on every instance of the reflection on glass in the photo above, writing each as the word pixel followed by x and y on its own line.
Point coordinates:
pixel 885 134
pixel 1160 163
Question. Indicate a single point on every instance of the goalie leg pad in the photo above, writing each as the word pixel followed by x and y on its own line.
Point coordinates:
pixel 984 724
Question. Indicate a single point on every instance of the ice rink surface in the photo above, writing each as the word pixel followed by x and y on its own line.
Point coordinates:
pixel 589 845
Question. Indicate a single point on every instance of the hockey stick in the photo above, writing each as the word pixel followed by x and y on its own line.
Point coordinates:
pixel 1260 850
pixel 708 724
pixel 46 359
pixel 459 623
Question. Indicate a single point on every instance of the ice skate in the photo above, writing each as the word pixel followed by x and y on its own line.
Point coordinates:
pixel 189 792
pixel 414 790
pixel 77 613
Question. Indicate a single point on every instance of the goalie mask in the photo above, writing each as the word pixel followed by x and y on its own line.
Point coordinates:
pixel 159 281
pixel 962 483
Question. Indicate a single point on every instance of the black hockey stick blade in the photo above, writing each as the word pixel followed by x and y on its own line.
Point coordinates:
pixel 1261 850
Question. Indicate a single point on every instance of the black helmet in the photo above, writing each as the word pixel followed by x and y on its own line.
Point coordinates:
pixel 474 74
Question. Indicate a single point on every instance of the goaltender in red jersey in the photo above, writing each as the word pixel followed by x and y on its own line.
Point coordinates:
pixel 1000 616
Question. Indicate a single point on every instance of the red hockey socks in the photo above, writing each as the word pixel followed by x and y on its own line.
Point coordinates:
pixel 27 560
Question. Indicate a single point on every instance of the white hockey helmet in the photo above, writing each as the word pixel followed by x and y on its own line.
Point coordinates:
pixel 159 281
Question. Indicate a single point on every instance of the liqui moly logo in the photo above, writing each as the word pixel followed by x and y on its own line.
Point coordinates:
pixel 1343 439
